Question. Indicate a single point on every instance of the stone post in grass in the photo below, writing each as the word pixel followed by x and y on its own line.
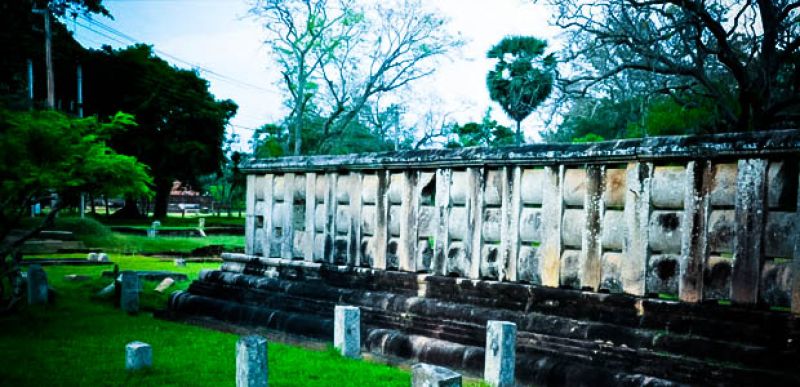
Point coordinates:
pixel 129 295
pixel 138 356
pixel 347 331
pixel 251 362
pixel 428 375
pixel 501 337
pixel 37 285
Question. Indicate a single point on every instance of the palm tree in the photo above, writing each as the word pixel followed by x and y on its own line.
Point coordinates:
pixel 522 78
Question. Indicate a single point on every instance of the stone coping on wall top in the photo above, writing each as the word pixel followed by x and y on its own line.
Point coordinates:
pixel 726 145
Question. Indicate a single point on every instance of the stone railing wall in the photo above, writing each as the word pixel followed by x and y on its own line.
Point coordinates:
pixel 699 218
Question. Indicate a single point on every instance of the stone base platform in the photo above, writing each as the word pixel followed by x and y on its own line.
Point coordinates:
pixel 565 337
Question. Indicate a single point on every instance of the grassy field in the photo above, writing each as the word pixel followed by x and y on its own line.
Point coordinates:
pixel 97 235
pixel 80 340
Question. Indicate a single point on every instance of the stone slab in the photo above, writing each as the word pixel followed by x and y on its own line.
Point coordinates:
pixel 138 356
pixel 429 375
pixel 252 362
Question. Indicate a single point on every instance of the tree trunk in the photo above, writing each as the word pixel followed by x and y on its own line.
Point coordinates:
pixel 519 133
pixel 130 210
pixel 91 204
pixel 163 188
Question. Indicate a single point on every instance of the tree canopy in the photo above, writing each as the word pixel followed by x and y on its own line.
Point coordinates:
pixel 181 126
pixel 522 77
pixel 737 61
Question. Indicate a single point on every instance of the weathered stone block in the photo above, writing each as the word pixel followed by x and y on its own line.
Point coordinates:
pixel 342 219
pixel 615 188
pixel 300 187
pixel 457 261
pixel 426 184
pixel 501 341
pixel 259 187
pixel 528 267
pixel 343 188
pixel 427 375
pixel 368 220
pixel 392 258
pixel 278 185
pixel 427 222
pixel 723 185
pixel 260 207
pixel 668 186
pixel 252 362
pixel 780 234
pixel 459 188
pixel 299 217
pixel 613 230
pixel 574 186
pixel 320 188
pixel 570 269
pixel 458 223
pixel 320 217
pixel 396 188
pixel 347 331
pixel 278 212
pixel 662 274
pixel 424 258
pixel 91 257
pixel 394 220
pixel 611 278
pixel 319 247
pixel 665 231
pixel 490 255
pixel 368 247
pixel 776 282
pixel 491 224
pixel 37 285
pixel 531 190
pixel 720 231
pixel 572 227
pixel 138 356
pixel 494 187
pixel 717 278
pixel 530 225
pixel 369 186
pixel 340 250
pixel 164 285
pixel 782 184
pixel 129 296
pixel 298 244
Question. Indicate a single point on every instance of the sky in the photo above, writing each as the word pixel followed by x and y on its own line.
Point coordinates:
pixel 225 43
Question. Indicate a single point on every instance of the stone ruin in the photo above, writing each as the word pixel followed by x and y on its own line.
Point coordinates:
pixel 631 262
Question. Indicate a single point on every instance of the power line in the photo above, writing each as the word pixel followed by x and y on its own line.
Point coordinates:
pixel 206 70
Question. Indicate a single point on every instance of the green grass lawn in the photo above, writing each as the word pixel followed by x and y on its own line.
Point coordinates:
pixel 80 340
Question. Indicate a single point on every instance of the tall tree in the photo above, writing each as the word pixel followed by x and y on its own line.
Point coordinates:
pixel 338 57
pixel 44 153
pixel 522 78
pixel 181 126
pixel 741 57
pixel 487 133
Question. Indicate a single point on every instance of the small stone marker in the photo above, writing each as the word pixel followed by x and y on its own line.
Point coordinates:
pixel 251 362
pixel 164 285
pixel 347 331
pixel 92 257
pixel 107 290
pixel 138 355
pixel 102 257
pixel 201 223
pixel 76 277
pixel 180 262
pixel 428 375
pixel 37 285
pixel 501 337
pixel 129 296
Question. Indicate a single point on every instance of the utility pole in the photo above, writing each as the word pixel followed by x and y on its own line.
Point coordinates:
pixel 48 57
pixel 79 76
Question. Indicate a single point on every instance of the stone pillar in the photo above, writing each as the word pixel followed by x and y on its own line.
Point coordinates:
pixel 129 296
pixel 428 375
pixel 354 242
pixel 549 252
pixel 311 207
pixel 406 251
pixel 250 215
pixel 636 250
pixel 138 356
pixel 347 331
pixel 37 285
pixel 796 259
pixel 501 338
pixel 381 237
pixel 512 207
pixel 694 240
pixel 251 362
pixel 330 215
pixel 269 208
pixel 287 245
pixel 751 185
pixel 590 270
pixel 443 181
pixel 475 184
